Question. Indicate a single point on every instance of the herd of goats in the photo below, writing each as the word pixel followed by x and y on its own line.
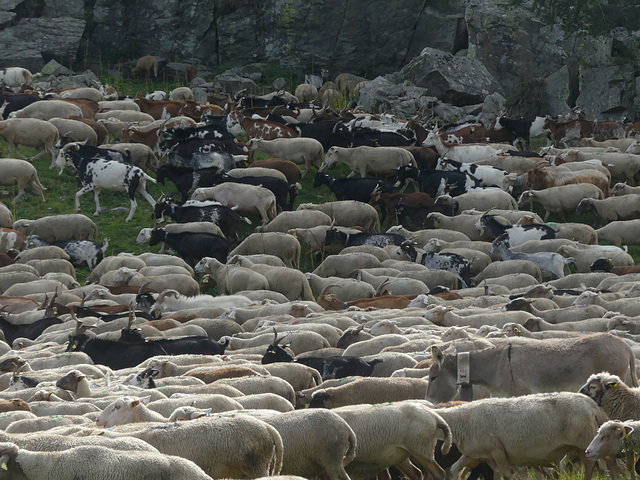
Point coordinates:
pixel 472 338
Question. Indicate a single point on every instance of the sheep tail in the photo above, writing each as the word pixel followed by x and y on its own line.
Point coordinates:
pixel 632 367
pixel 351 452
pixel 442 425
pixel 278 452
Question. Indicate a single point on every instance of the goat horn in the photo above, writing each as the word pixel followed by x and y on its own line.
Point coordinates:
pixel 327 287
pixel 142 287
pixel 275 337
pixel 132 317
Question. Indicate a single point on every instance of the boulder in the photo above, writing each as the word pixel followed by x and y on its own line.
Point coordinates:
pixel 557 88
pixel 234 83
pixel 452 79
pixel 607 92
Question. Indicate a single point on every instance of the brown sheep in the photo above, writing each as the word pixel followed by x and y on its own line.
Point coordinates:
pixel 14 404
pixel 210 376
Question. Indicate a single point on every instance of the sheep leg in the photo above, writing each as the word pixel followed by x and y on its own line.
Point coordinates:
pixel 429 465
pixel 546 215
pixel 461 463
pixel 409 470
pixel 630 461
pixel 21 192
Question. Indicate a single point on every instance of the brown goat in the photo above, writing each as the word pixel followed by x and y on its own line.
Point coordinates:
pixel 330 302
pixel 540 178
pixel 389 201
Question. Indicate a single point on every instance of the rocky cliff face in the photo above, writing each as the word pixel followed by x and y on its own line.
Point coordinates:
pixel 456 50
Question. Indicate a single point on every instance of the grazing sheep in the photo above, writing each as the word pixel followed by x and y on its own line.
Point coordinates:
pixel 306 151
pixel 531 431
pixel 97 463
pixel 22 174
pixel 612 208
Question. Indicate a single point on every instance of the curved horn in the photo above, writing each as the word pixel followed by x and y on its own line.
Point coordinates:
pixel 327 287
pixel 275 337
pixel 143 286
pixel 132 317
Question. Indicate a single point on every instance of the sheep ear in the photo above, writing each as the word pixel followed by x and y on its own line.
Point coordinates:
pixel 437 355
pixel 611 385
pixel 145 400
pixel 135 403
pixel 627 430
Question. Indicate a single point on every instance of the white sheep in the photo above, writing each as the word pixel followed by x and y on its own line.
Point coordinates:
pixel 624 232
pixel 370 390
pixel 484 199
pixel 348 213
pixel 374 160
pixel 613 437
pixel 280 244
pixel 621 189
pixel 75 131
pixel 98 463
pixel 47 110
pixel 531 430
pixel 303 151
pixel 247 198
pixel 232 278
pixel 610 209
pixel 59 227
pixel 561 199
pixel 584 257
pixel 22 174
pixel 291 283
pixel 388 434
pixel 30 132
pixel 286 221
pixel 227 446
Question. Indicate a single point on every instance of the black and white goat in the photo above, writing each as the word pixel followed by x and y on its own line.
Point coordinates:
pixel 451 262
pixel 487 175
pixel 514 234
pixel 81 252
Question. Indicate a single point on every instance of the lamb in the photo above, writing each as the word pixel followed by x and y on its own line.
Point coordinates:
pixel 20 173
pixel 624 232
pixel 555 424
pixel 307 151
pixel 388 434
pixel 280 244
pixel 224 447
pixel 616 399
pixel 105 464
pixel 561 199
pixel 370 390
pixel 30 132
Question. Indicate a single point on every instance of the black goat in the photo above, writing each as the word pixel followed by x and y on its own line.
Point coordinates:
pixel 359 189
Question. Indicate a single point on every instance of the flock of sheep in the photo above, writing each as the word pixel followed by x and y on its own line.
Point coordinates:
pixel 554 350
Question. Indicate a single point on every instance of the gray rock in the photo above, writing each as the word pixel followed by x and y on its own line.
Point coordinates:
pixel 558 92
pixel 234 83
pixel 492 106
pixel 607 92
pixel 279 83
pixel 54 68
pixel 455 80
